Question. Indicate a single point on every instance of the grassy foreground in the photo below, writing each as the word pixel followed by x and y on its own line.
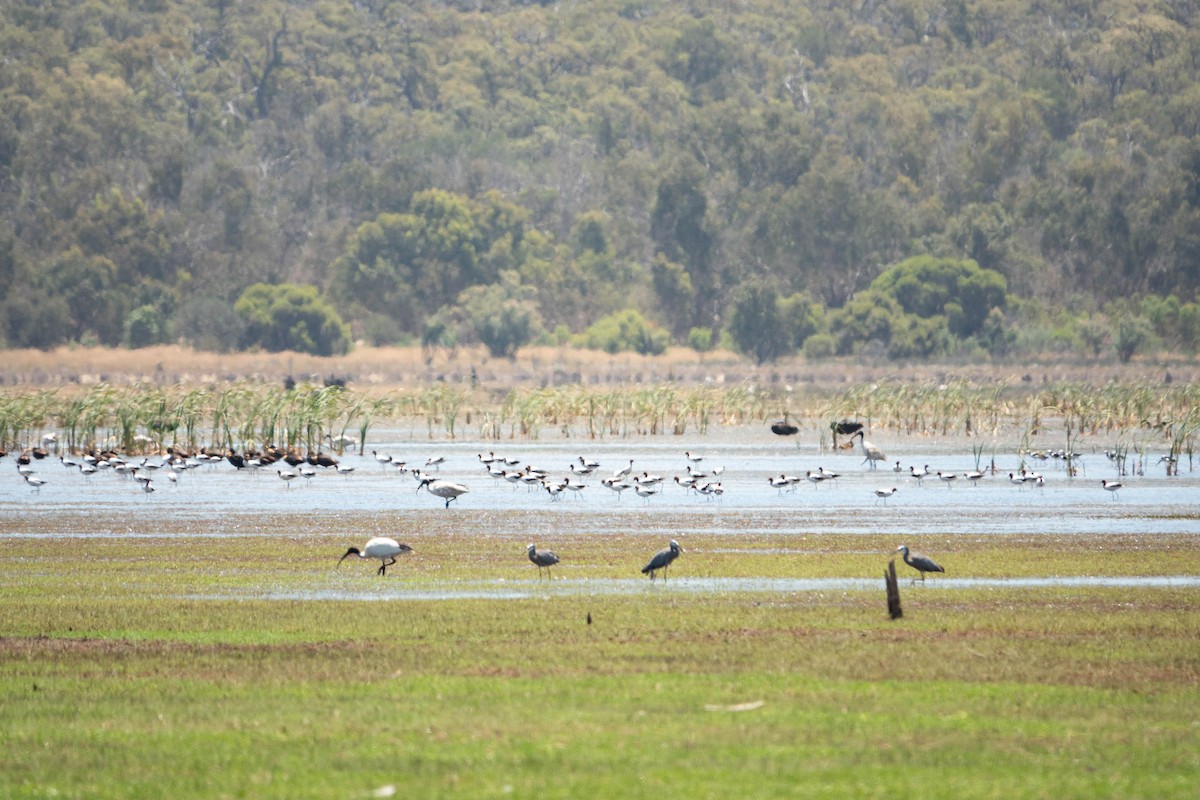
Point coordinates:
pixel 153 668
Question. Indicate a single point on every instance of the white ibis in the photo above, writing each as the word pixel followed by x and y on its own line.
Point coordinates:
pixel 870 452
pixel 543 558
pixel 884 494
pixel 1111 486
pixel 447 490
pixel 382 548
pixel 662 559
pixel 918 561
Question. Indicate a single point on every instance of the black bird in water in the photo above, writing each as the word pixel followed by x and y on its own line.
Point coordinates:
pixel 781 427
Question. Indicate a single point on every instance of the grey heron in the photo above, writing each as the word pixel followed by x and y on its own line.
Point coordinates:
pixel 662 559
pixel 543 558
pixel 918 561
pixel 382 548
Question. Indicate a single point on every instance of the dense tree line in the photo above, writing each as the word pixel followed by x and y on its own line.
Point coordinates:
pixel 911 178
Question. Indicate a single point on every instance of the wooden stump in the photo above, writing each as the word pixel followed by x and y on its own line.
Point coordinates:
pixel 893 591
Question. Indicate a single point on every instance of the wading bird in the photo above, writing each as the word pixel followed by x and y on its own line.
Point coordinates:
pixel 381 548
pixel 541 559
pixel 921 563
pixel 884 494
pixel 871 453
pixel 1112 486
pixel 447 490
pixel 662 559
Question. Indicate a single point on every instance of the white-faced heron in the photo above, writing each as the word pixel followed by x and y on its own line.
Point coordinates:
pixel 918 561
pixel 541 558
pixel 662 559
pixel 871 453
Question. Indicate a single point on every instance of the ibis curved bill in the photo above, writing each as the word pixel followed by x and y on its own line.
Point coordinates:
pixel 447 490
pixel 382 548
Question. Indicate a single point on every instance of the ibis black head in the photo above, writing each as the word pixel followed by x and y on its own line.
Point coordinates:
pixel 353 551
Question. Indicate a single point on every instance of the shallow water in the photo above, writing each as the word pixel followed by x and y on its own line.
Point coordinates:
pixel 222 502
pixel 506 590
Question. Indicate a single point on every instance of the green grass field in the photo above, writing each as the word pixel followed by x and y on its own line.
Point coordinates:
pixel 154 668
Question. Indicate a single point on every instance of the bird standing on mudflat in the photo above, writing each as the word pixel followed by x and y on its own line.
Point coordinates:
pixel 662 559
pixel 918 561
pixel 382 548
pixel 541 558
pixel 447 490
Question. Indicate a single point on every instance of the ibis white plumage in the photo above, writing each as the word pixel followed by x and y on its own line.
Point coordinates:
pixel 447 490
pixel 382 548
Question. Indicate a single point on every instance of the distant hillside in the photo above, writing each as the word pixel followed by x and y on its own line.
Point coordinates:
pixel 508 173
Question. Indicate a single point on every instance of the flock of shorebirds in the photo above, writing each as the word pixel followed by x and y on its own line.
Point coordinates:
pixel 289 465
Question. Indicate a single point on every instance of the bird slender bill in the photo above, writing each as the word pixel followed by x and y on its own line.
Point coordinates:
pixel 662 559
pixel 382 548
pixel 918 561
pixel 870 452
pixel 542 559
pixel 884 494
